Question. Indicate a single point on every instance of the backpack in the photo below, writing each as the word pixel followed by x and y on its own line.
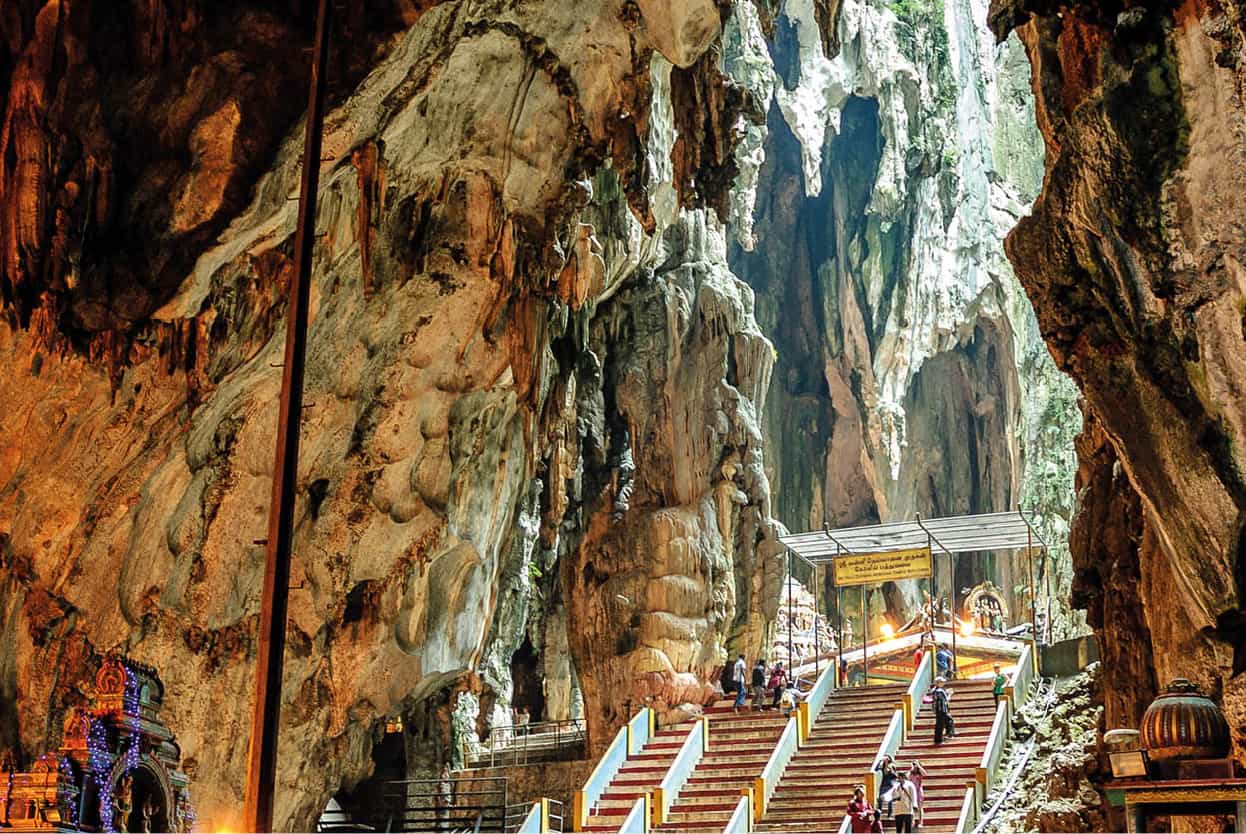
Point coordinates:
pixel 759 676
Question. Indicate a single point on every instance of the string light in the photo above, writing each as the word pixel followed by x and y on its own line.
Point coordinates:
pixel 100 763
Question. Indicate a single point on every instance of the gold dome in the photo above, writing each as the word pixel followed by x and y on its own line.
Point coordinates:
pixel 1183 723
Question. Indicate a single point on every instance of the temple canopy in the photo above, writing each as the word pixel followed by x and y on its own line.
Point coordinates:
pixel 952 534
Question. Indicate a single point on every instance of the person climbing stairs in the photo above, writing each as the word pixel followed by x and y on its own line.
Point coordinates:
pixel 951 766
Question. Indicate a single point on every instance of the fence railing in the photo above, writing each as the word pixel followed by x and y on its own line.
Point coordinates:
pixel 995 742
pixel 821 692
pixel 968 811
pixel 545 816
pixel 911 702
pixel 1023 680
pixel 522 744
pixel 639 730
pixel 637 819
pixel 741 821
pixel 426 805
pixel 765 784
pixel 891 742
pixel 690 752
pixel 534 821
pixel 605 771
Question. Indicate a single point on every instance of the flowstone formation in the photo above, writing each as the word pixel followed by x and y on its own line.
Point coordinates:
pixel 534 386
pixel 1133 257
pixel 869 217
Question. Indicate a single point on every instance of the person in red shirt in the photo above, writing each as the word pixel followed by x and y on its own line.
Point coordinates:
pixel 861 816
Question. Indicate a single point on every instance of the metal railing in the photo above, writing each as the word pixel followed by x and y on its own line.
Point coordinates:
pixel 784 749
pixel 985 775
pixel 425 805
pixel 891 742
pixel 912 701
pixel 637 819
pixel 545 816
pixel 822 689
pixel 1023 680
pixel 607 768
pixel 523 744
pixel 741 821
pixel 968 811
pixel 676 776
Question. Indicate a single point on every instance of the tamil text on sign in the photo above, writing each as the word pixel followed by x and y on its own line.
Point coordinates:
pixel 873 568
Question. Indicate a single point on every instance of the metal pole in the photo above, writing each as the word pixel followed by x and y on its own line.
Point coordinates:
pixel 817 639
pixel 1029 552
pixel 262 755
pixel 839 610
pixel 791 622
pixel 1047 572
pixel 951 572
pixel 865 638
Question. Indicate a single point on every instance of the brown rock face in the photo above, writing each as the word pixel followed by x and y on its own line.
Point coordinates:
pixel 132 132
pixel 1133 256
pixel 499 314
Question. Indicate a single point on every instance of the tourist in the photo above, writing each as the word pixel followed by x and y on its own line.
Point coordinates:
pixel 737 679
pixel 1001 680
pixel 788 701
pixel 778 683
pixel 524 718
pixel 916 774
pixel 860 815
pixel 843 672
pixel 942 712
pixel 902 798
pixel 943 660
pixel 886 781
pixel 759 683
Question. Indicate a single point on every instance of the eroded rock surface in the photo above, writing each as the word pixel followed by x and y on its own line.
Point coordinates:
pixel 533 387
pixel 1133 258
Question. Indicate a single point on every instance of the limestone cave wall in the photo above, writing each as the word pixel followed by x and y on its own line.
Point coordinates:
pixel 870 219
pixel 533 391
pixel 1133 256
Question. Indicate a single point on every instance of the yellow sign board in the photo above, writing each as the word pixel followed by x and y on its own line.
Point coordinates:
pixel 875 568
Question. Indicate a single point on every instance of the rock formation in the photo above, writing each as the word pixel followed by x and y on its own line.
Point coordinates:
pixel 533 384
pixel 869 217
pixel 1133 259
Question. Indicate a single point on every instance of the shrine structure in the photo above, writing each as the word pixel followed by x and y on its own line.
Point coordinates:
pixel 117 769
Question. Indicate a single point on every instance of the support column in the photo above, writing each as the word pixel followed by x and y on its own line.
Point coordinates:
pixel 865 637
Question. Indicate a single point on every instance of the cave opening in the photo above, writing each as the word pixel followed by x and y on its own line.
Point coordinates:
pixel 528 679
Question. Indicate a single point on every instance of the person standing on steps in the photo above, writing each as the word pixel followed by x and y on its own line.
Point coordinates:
pixel 759 683
pixel 916 774
pixel 1001 680
pixel 942 711
pixel 886 781
pixel 903 799
pixel 737 677
pixel 778 683
pixel 943 661
pixel 861 816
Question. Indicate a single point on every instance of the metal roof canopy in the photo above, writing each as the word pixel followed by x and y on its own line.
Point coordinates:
pixel 952 534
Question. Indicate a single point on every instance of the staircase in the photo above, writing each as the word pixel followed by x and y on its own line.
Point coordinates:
pixel 641 773
pixel 816 787
pixel 951 766
pixel 740 746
